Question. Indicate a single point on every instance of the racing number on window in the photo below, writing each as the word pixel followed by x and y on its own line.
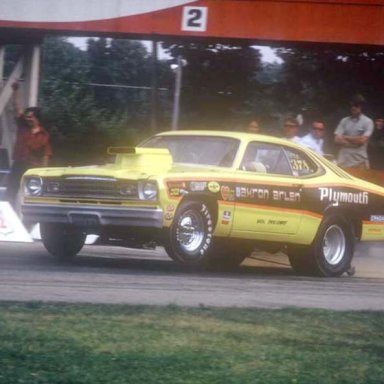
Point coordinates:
pixel 299 165
pixel 194 19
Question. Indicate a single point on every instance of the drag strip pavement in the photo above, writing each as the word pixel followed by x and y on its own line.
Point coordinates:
pixel 116 275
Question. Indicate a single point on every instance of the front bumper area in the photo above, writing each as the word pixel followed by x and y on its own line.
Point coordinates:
pixel 93 215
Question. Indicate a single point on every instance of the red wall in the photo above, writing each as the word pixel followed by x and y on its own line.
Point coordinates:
pixel 342 21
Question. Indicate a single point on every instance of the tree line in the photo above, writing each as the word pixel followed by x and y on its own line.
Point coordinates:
pixel 101 96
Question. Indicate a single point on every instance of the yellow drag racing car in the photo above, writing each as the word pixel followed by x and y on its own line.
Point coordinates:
pixel 210 198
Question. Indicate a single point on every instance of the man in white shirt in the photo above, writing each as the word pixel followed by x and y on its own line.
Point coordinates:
pixel 315 138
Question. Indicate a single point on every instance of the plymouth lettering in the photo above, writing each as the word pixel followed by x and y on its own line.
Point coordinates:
pixel 329 194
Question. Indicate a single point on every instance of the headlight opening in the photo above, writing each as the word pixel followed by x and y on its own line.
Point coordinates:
pixel 149 190
pixel 33 186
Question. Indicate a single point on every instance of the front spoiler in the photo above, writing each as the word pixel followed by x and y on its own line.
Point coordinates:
pixel 93 215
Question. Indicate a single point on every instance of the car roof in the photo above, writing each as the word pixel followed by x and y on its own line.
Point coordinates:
pixel 231 134
pixel 247 137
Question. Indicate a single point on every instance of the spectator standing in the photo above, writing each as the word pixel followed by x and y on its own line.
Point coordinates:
pixel 253 127
pixel 291 130
pixel 315 138
pixel 352 136
pixel 376 146
pixel 32 147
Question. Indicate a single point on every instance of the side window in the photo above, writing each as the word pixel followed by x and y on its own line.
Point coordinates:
pixel 300 163
pixel 266 158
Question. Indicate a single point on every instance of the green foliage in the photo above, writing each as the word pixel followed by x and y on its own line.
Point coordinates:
pixel 125 344
pixel 218 80
pixel 86 97
pixel 118 63
pixel 94 97
pixel 69 109
pixel 323 78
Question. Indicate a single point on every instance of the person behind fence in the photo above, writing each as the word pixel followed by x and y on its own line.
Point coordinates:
pixel 315 138
pixel 253 126
pixel 352 135
pixel 32 147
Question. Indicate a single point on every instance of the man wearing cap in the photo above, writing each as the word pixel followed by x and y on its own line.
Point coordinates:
pixel 352 136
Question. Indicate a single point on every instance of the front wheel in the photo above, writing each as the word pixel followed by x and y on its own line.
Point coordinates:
pixel 63 241
pixel 190 240
pixel 331 252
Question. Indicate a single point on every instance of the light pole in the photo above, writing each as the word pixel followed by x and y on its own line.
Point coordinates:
pixel 178 69
pixel 154 96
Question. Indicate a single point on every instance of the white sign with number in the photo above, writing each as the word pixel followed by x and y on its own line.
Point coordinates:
pixel 194 19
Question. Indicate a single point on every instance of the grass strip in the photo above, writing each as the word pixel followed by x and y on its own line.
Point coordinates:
pixel 59 343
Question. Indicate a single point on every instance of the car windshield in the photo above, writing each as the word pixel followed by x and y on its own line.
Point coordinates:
pixel 205 150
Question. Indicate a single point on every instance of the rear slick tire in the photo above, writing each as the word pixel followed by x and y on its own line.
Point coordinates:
pixel 330 254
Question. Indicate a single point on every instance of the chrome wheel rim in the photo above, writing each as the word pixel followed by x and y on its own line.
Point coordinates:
pixel 334 244
pixel 190 231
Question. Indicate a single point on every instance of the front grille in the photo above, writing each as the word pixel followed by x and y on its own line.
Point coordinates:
pixel 90 187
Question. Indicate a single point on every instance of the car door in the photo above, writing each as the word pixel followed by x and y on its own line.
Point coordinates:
pixel 268 192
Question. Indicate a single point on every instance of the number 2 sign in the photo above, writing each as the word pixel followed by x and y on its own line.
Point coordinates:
pixel 194 19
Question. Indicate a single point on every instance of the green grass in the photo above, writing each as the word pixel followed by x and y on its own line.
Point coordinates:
pixel 41 343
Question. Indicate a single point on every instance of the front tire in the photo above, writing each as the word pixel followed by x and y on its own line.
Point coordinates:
pixel 63 241
pixel 190 240
pixel 330 254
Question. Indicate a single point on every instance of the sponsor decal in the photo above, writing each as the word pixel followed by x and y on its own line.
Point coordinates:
pixel 252 193
pixel 336 197
pixel 377 218
pixel 227 215
pixel 227 193
pixel 170 208
pixel 177 184
pixel 177 188
pixel 272 222
pixel 265 194
pixel 174 191
pixel 277 222
pixel 168 215
pixel 374 230
pixel 286 196
pixel 213 186
pixel 198 186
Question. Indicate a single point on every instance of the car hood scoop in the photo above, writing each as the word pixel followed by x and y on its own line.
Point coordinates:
pixel 149 160
pixel 133 163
